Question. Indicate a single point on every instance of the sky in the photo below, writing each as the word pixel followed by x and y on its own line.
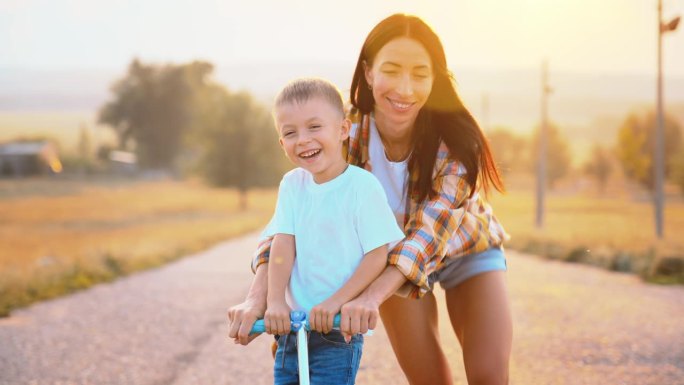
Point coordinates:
pixel 586 36
pixel 63 55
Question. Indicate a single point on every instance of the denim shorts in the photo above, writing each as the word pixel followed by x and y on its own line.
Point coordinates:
pixel 456 271
pixel 332 361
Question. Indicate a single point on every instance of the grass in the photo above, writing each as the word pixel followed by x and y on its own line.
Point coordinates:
pixel 613 231
pixel 58 236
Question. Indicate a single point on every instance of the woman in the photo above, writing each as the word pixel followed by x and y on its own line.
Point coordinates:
pixel 413 132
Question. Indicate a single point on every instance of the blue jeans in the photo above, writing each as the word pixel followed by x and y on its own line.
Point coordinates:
pixel 332 361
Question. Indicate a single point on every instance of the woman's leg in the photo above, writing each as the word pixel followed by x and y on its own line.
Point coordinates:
pixel 412 329
pixel 480 314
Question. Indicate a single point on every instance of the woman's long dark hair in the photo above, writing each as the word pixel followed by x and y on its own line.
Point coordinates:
pixel 442 118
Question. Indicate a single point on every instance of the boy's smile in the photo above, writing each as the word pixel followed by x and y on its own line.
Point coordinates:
pixel 310 155
pixel 311 133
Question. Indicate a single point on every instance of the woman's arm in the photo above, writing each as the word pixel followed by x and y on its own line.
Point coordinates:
pixel 262 253
pixel 372 264
pixel 430 226
pixel 450 222
pixel 362 313
pixel 241 317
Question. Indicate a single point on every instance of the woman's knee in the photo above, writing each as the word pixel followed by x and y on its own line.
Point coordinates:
pixel 491 369
pixel 493 376
pixel 423 362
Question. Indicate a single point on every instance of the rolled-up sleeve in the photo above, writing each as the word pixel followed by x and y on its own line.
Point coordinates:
pixel 262 253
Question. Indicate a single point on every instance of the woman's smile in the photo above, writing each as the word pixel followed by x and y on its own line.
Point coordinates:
pixel 401 106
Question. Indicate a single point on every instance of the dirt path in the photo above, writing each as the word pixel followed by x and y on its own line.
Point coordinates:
pixel 573 325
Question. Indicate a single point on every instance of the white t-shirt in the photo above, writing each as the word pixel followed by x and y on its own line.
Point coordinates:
pixel 334 224
pixel 393 176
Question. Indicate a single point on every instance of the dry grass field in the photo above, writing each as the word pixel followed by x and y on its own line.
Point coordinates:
pixel 614 230
pixel 59 235
pixel 598 221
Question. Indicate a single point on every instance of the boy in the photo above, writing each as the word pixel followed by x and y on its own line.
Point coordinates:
pixel 332 224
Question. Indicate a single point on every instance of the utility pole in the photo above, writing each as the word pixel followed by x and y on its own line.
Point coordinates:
pixel 543 138
pixel 659 150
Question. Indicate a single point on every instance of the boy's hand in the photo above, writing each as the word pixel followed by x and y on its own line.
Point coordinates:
pixel 277 318
pixel 323 315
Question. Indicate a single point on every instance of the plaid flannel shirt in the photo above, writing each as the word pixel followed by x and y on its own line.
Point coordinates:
pixel 450 225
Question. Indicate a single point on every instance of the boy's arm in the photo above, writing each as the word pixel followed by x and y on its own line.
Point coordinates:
pixel 277 316
pixel 372 264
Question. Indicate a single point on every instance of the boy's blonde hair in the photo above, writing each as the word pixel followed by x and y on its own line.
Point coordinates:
pixel 303 89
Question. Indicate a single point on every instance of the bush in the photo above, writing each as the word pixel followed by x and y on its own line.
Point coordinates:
pixel 646 264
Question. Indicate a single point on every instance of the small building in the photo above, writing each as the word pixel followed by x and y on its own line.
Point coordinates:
pixel 123 162
pixel 28 158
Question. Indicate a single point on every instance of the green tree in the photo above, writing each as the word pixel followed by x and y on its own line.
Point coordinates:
pixel 636 142
pixel 558 157
pixel 509 149
pixel 237 142
pixel 599 166
pixel 152 109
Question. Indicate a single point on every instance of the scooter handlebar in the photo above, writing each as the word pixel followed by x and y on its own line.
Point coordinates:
pixel 297 320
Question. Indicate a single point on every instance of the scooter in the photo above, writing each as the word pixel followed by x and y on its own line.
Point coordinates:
pixel 299 325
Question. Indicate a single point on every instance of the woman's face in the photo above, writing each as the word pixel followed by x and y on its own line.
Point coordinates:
pixel 401 77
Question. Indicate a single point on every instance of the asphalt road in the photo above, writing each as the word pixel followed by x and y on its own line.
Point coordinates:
pixel 573 325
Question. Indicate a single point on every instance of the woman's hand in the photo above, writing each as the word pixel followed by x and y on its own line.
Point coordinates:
pixel 322 315
pixel 359 315
pixel 277 318
pixel 241 318
pixel 362 313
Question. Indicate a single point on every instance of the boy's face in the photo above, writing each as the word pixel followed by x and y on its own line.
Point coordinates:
pixel 311 134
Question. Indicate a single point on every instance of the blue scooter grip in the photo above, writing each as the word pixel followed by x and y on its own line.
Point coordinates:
pixel 296 319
